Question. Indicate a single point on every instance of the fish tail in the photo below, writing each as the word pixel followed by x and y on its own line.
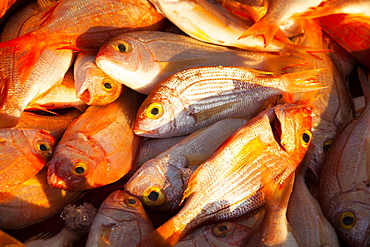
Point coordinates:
pixel 303 51
pixel 31 46
pixel 262 28
pixel 164 236
pixel 302 81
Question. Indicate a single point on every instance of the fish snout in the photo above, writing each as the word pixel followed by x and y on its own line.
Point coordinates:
pixel 56 182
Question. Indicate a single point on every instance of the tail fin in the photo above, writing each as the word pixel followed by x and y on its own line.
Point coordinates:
pixel 31 46
pixel 304 51
pixel 164 236
pixel 262 28
pixel 302 81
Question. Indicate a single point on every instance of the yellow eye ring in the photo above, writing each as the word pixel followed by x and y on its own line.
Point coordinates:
pixel 131 201
pixel 154 110
pixel 346 220
pixel 123 47
pixel 327 145
pixel 223 229
pixel 44 148
pixel 79 169
pixel 153 196
pixel 107 84
pixel 306 138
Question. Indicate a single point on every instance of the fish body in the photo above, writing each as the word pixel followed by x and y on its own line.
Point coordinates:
pixel 49 69
pixel 210 22
pixel 31 202
pixel 234 188
pixel 344 193
pixel 7 240
pixel 61 96
pixel 24 152
pixel 141 63
pixel 55 124
pixel 120 221
pixel 354 7
pixel 93 85
pixel 166 176
pixel 81 25
pixel 198 97
pixel 274 229
pixel 99 146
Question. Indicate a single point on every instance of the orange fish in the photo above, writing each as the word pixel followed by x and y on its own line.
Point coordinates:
pixel 98 148
pixel 276 139
pixel 5 5
pixel 8 241
pixel 23 153
pixel 82 25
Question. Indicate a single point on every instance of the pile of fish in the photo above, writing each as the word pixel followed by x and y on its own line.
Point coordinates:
pixel 185 123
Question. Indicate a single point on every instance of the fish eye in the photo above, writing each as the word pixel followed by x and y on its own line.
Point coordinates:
pixel 223 229
pixel 154 110
pixel 107 84
pixel 79 169
pixel 306 138
pixel 131 201
pixel 346 220
pixel 327 145
pixel 44 148
pixel 153 196
pixel 123 47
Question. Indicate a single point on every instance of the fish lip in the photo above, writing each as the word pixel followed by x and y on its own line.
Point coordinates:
pixel 56 182
pixel 142 132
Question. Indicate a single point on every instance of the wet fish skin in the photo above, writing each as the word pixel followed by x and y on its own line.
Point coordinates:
pixel 141 63
pixel 234 188
pixel 32 202
pixel 85 158
pixel 120 221
pixel 167 174
pixel 93 85
pixel 344 193
pixel 198 97
pixel 24 152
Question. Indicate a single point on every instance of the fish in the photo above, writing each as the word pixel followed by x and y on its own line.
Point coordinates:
pixel 210 22
pixel 120 221
pixel 16 94
pixel 54 124
pixel 276 139
pixel 5 6
pixel 93 85
pixel 60 96
pixel 7 240
pixel 197 97
pixel 274 228
pixel 152 147
pixel 24 152
pixel 216 235
pixel 277 12
pixel 161 181
pixel 249 10
pixel 33 201
pixel 90 152
pixel 317 230
pixel 82 25
pixel 344 193
pixel 355 7
pixel 141 63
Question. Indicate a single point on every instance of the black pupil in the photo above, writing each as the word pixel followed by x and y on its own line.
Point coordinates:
pixel 154 111
pixel 222 228
pixel 79 170
pixel 43 147
pixel 131 201
pixel 153 196
pixel 348 220
pixel 107 85
pixel 306 138
pixel 326 147
pixel 121 47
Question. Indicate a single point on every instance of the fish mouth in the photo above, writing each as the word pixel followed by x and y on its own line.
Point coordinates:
pixel 146 133
pixel 56 182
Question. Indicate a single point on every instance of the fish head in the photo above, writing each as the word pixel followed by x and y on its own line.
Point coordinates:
pixel 349 213
pixel 162 116
pixel 41 142
pixel 77 166
pixel 293 129
pixel 129 61
pixel 158 184
pixel 99 88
